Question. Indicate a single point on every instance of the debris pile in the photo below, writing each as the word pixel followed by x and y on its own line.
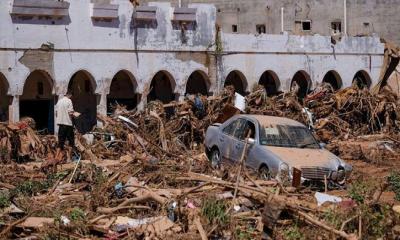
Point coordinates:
pixel 144 175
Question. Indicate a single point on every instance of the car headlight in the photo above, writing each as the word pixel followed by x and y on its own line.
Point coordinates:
pixel 284 174
pixel 338 176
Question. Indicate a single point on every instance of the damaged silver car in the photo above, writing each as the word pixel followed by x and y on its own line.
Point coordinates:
pixel 276 146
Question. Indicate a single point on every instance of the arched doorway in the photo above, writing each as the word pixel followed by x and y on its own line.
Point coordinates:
pixel 162 88
pixel 271 82
pixel 37 100
pixel 362 79
pixel 82 86
pixel 333 78
pixel 197 83
pixel 238 81
pixel 4 99
pixel 301 83
pixel 122 91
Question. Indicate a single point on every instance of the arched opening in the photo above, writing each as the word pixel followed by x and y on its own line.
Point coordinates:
pixel 37 100
pixel 82 87
pixel 301 83
pixel 238 81
pixel 362 79
pixel 162 88
pixel 122 91
pixel 4 99
pixel 197 84
pixel 270 81
pixel 333 79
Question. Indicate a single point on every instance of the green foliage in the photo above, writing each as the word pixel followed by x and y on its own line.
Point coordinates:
pixel 359 190
pixel 244 234
pixel 31 187
pixel 333 218
pixel 394 183
pixel 293 233
pixel 77 215
pixel 375 220
pixel 4 200
pixel 215 211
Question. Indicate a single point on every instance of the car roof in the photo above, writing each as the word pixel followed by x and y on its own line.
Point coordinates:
pixel 271 120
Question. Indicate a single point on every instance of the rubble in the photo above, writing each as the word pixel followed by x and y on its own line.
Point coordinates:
pixel 144 175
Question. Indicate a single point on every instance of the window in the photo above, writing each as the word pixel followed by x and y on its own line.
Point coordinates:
pixel 234 28
pixel 306 25
pixel 228 130
pixel 260 28
pixel 245 128
pixel 336 27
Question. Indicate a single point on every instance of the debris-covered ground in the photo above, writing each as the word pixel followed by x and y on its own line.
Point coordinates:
pixel 144 175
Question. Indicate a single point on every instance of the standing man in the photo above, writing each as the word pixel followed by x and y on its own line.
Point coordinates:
pixel 64 114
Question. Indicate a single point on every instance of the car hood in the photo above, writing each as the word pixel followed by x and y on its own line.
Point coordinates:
pixel 306 157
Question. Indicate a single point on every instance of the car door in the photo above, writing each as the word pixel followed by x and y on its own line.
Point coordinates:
pixel 225 140
pixel 244 128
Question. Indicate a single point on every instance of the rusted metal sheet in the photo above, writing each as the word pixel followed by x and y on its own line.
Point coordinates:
pixel 40 8
pixel 105 11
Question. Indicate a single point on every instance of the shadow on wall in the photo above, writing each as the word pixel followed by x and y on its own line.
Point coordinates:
pixel 109 23
pixel 41 20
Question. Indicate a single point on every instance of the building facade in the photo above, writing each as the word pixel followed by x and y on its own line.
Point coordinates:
pixel 308 17
pixel 111 52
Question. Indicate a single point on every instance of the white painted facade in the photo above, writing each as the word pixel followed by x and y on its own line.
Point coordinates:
pixel 102 49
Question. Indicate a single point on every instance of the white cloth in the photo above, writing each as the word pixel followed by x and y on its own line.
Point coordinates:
pixel 64 108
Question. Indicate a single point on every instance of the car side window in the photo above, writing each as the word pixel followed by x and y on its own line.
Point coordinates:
pixel 244 129
pixel 230 128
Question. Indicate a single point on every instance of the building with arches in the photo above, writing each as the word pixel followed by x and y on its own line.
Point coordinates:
pixel 133 56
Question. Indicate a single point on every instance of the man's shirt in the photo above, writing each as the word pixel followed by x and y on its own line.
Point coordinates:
pixel 63 109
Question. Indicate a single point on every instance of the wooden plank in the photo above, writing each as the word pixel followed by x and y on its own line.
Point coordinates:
pixel 105 13
pixel 25 11
pixel 105 6
pixel 146 9
pixel 41 4
pixel 185 10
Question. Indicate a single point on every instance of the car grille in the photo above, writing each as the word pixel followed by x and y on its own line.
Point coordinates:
pixel 315 172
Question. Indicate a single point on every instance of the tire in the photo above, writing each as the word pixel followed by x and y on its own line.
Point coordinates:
pixel 264 173
pixel 215 157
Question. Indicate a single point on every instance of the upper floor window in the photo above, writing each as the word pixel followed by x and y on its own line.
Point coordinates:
pixel 234 28
pixel 260 28
pixel 306 25
pixel 336 27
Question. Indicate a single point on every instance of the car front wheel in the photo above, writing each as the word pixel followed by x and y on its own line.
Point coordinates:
pixel 215 157
pixel 264 173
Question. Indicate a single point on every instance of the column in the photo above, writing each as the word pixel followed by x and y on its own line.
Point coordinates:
pixel 13 109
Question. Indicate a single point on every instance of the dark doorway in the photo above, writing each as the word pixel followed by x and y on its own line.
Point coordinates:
pixel 4 99
pixel 197 84
pixel 362 80
pixel 37 101
pixel 270 82
pixel 161 88
pixel 82 86
pixel 300 84
pixel 333 79
pixel 122 92
pixel 237 80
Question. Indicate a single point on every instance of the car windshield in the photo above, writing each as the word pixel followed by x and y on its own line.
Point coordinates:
pixel 287 136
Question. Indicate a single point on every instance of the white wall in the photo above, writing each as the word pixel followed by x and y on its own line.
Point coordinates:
pixel 102 51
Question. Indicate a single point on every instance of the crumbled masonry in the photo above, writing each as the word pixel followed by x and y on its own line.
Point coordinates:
pixel 144 175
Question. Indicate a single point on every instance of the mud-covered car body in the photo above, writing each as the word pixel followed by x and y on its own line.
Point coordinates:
pixel 277 146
